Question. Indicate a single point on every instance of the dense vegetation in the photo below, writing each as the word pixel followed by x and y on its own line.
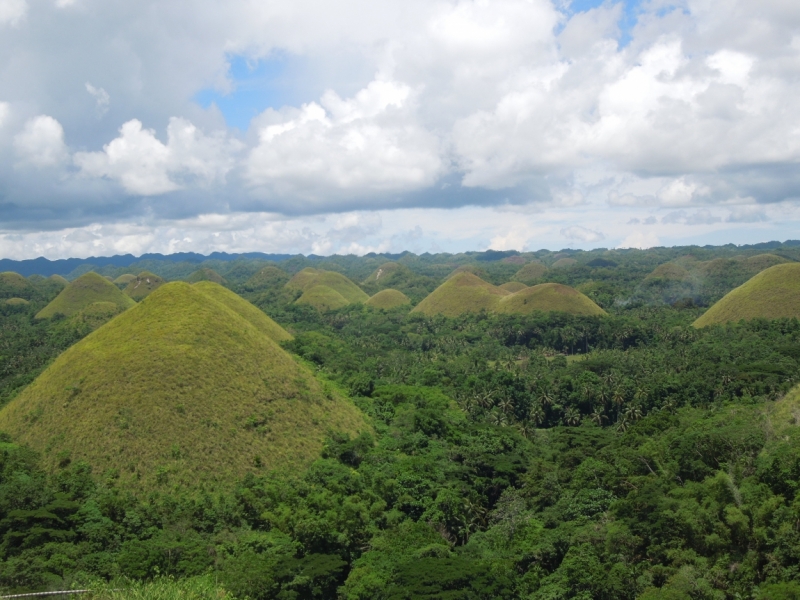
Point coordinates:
pixel 543 456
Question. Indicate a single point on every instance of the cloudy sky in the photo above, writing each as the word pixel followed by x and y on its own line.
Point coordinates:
pixel 390 125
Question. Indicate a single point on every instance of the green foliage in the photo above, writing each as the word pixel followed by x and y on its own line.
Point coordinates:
pixel 310 278
pixel 161 588
pixel 144 284
pixel 322 298
pixel 388 299
pixel 206 274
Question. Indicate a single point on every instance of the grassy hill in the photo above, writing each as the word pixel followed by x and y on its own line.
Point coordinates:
pixel 143 285
pixel 245 310
pixel 388 299
pixel 14 285
pixel 773 293
pixel 531 272
pixel 513 286
pixel 85 290
pixel 124 279
pixel 17 302
pixel 563 263
pixel 386 272
pixel 96 314
pixel 267 278
pixel 669 272
pixel 178 391
pixel 206 275
pixel 59 279
pixel 474 269
pixel 549 297
pixel 461 294
pixel 323 298
pixel 310 277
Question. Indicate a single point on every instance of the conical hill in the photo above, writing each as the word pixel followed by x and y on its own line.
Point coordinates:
pixel 549 297
pixel 387 272
pixel 772 294
pixel 206 274
pixel 59 279
pixel 323 298
pixel 178 391
pixel 462 293
pixel 85 290
pixel 244 309
pixel 513 286
pixel 14 285
pixel 531 272
pixel 124 279
pixel 669 271
pixel 309 277
pixel 143 285
pixel 388 298
pixel 267 278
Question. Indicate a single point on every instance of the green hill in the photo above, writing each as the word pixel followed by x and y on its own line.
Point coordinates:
pixel 474 269
pixel 143 285
pixel 323 298
pixel 14 285
pixel 668 272
pixel 206 275
pixel 563 263
pixel 85 290
pixel 96 314
pixel 549 297
pixel 267 278
pixel 513 286
pixel 17 302
pixel 773 293
pixel 244 309
pixel 530 273
pixel 178 391
pixel 59 279
pixel 124 279
pixel 461 294
pixel 309 277
pixel 388 299
pixel 387 271
pixel 759 262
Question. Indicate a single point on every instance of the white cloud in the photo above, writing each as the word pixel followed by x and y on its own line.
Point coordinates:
pixel 5 111
pixel 582 234
pixel 41 143
pixel 145 166
pixel 101 97
pixel 365 144
pixel 641 240
pixel 747 214
pixel 12 11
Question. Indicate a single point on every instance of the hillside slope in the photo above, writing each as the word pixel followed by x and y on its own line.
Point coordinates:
pixel 462 293
pixel 85 290
pixel 388 298
pixel 772 294
pixel 178 391
pixel 143 285
pixel 310 277
pixel 549 297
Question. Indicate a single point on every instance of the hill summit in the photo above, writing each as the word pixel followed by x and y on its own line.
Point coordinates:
pixel 87 289
pixel 772 294
pixel 325 290
pixel 144 284
pixel 185 389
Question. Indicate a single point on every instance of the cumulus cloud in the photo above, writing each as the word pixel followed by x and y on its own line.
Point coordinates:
pixel 146 166
pixel 582 234
pixel 5 110
pixel 641 240
pixel 365 144
pixel 12 11
pixel 41 143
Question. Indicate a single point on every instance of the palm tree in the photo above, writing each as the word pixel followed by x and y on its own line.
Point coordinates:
pixel 618 398
pixel 572 416
pixel 506 405
pixel 598 417
pixel 633 414
pixel 622 425
pixel 546 397
pixel 536 414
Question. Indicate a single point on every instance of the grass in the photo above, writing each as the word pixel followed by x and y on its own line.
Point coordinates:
pixel 513 286
pixel 531 272
pixel 244 309
pixel 85 290
pixel 206 275
pixel 772 294
pixel 669 272
pixel 322 298
pixel 385 271
pixel 474 269
pixel 462 293
pixel 268 277
pixel 17 302
pixel 179 392
pixel 388 298
pixel 124 279
pixel 96 314
pixel 59 279
pixel 563 263
pixel 161 588
pixel 143 285
pixel 309 277
pixel 549 297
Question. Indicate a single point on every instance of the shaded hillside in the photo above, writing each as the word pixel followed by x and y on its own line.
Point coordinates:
pixel 178 391
pixel 85 290
pixel 143 285
pixel 772 294
pixel 530 273
pixel 512 286
pixel 267 278
pixel 206 274
pixel 462 293
pixel 388 299
pixel 124 279
pixel 549 297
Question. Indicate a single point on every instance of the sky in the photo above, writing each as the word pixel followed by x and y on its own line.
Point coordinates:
pixel 356 126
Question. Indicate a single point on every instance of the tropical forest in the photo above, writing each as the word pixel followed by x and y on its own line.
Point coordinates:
pixel 604 424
